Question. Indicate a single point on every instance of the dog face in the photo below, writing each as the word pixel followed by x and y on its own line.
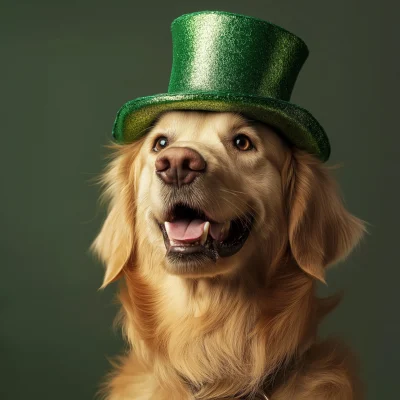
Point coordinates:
pixel 210 190
pixel 205 194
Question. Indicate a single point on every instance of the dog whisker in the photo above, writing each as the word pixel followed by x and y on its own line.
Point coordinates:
pixel 236 194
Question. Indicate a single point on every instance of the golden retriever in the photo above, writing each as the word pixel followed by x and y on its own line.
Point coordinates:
pixel 219 229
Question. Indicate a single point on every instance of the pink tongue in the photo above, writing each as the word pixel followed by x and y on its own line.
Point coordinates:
pixel 184 229
pixel 191 230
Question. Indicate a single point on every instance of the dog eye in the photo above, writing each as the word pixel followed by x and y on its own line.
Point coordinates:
pixel 160 143
pixel 243 143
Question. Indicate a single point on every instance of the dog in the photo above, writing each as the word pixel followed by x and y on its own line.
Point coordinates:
pixel 218 230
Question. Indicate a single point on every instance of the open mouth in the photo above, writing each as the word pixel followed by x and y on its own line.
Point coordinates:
pixel 190 235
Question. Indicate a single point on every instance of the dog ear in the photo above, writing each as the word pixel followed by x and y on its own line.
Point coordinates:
pixel 321 230
pixel 115 242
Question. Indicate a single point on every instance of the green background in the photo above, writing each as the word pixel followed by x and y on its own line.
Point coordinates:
pixel 67 67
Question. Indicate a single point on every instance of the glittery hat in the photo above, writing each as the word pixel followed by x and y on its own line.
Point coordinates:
pixel 231 62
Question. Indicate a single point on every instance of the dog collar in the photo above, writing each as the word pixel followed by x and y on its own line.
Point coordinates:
pixel 271 381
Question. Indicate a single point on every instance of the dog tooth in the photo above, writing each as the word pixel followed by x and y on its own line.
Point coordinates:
pixel 204 235
pixel 167 227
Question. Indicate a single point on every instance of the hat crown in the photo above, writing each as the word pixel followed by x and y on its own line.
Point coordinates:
pixel 233 53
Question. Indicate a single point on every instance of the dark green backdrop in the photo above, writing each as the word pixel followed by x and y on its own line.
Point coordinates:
pixel 66 67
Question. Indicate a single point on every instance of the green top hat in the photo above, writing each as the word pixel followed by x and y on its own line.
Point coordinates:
pixel 231 62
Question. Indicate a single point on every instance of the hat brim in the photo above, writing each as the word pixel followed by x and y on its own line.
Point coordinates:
pixel 296 124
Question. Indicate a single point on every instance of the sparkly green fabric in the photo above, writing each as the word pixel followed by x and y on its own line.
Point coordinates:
pixel 234 54
pixel 231 62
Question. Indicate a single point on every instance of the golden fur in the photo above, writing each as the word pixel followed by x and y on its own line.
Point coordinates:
pixel 249 318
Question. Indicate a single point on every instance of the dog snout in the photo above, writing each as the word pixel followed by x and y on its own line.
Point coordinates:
pixel 179 165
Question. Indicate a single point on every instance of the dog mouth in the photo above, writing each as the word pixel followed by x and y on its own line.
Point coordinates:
pixel 190 235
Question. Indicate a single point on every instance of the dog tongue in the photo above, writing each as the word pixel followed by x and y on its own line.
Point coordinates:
pixel 191 230
pixel 185 229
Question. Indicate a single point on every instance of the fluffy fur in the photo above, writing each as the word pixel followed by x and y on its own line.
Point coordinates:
pixel 250 319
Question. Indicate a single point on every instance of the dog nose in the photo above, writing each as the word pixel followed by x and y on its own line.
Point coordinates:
pixel 180 165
